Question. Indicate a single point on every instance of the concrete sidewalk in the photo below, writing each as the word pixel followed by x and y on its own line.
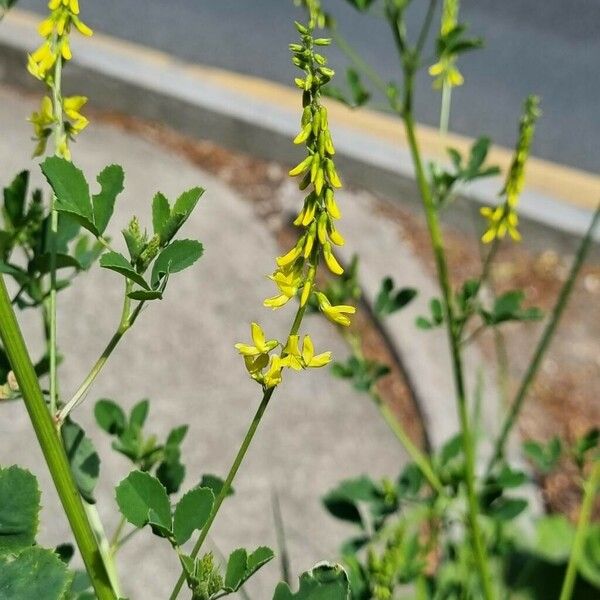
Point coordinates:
pixel 180 354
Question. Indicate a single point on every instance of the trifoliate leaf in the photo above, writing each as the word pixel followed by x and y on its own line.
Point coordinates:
pixel 324 582
pixel 177 256
pixel 34 573
pixel 110 416
pixel 216 484
pixel 161 211
pixel 19 509
pixel 142 498
pixel 111 181
pixel 241 566
pixel 15 196
pixel 117 262
pixel 139 414
pixel 191 513
pixel 184 205
pixel 83 458
pixel 71 190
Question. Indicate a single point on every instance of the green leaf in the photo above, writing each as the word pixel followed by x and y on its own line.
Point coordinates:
pixel 240 566
pixel 71 190
pixel 216 484
pixel 161 211
pixel 142 499
pixel 361 5
pixel 110 417
pixel 171 474
pixel 111 182
pixel 324 582
pixel 341 502
pixel 117 262
pixel 544 457
pixel 145 295
pixel 177 256
pixel 589 563
pixel 191 513
pixel 506 509
pixel 554 537
pixel 139 414
pixel 35 573
pixel 42 263
pixel 83 458
pixel 19 509
pixel 15 196
pixel 184 205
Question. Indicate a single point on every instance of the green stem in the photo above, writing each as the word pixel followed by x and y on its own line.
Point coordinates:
pixel 227 485
pixel 238 458
pixel 103 545
pixel 445 108
pixel 585 514
pixel 51 445
pixel 114 540
pixel 454 341
pixel 544 342
pixel 415 454
pixel 126 322
pixel 53 344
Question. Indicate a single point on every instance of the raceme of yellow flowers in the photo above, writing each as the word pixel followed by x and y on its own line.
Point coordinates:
pixel 296 270
pixel 504 218
pixel 61 115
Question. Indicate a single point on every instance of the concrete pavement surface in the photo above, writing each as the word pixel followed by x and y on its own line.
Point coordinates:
pixel 180 354
pixel 546 47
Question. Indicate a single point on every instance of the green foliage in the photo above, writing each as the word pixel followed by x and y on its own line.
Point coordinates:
pixel 508 307
pixel 437 316
pixel 19 509
pixel 191 513
pixel 363 373
pixel 241 566
pixel 390 301
pixel 359 95
pixel 325 581
pixel 545 457
pixel 463 171
pixel 361 5
pixel 83 458
pixel 26 570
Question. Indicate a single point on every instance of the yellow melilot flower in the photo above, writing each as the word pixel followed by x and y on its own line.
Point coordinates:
pixel 337 314
pixel 41 61
pixel 445 72
pixel 504 219
pixel 261 344
pixel 303 359
pixel 273 376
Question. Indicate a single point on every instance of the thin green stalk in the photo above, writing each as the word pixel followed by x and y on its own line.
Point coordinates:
pixel 284 556
pixel 454 341
pixel 227 485
pixel 103 545
pixel 415 454
pixel 126 322
pixel 52 448
pixel 544 343
pixel 114 540
pixel 58 130
pixel 238 459
pixel 445 108
pixel 590 487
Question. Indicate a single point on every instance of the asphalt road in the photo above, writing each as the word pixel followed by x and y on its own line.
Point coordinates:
pixel 547 47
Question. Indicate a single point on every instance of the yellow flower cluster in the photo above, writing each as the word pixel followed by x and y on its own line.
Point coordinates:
pixel 296 270
pixel 504 219
pixel 42 64
pixel 445 71
pixel 257 357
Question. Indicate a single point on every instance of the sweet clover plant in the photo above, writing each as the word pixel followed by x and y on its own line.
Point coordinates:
pixel 455 523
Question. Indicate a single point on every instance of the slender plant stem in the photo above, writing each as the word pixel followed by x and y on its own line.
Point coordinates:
pixel 126 322
pixel 454 341
pixel 590 488
pixel 227 485
pixel 415 454
pixel 53 345
pixel 238 458
pixel 424 33
pixel 114 540
pixel 544 343
pixel 52 448
pixel 445 108
pixel 103 545
pixel 284 555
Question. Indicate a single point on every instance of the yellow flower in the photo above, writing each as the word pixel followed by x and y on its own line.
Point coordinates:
pixel 72 105
pixel 273 376
pixel 331 206
pixel 303 359
pixel 261 344
pixel 331 261
pixel 445 72
pixel 337 314
pixel 41 120
pixel 501 220
pixel 41 61
pixel 288 282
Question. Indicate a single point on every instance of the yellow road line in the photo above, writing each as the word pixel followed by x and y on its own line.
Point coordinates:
pixel 573 186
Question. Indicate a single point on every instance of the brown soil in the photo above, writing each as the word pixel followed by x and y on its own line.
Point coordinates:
pixel 564 399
